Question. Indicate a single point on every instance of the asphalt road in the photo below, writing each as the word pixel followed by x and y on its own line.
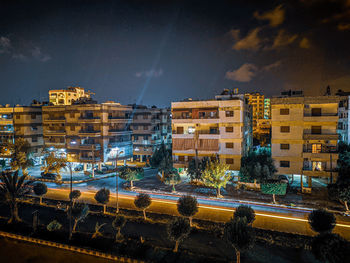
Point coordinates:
pixel 282 219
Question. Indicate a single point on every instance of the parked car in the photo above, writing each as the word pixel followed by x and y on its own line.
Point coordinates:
pixel 50 176
pixel 283 178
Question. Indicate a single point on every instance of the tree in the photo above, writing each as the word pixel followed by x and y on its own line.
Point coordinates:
pixel 97 232
pixel 329 247
pixel 74 195
pixel 102 197
pixel 131 174
pixel 40 189
pixel 166 164
pixel 54 164
pixel 178 230
pixel 215 175
pixel 118 223
pixel 12 188
pixel 187 206
pixel 244 211
pixel 322 221
pixel 158 155
pixel 143 201
pixel 20 154
pixel 193 172
pixel 274 188
pixel 79 212
pixel 344 196
pixel 240 235
pixel 257 166
pixel 172 178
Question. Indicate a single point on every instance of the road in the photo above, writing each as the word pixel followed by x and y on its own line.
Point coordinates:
pixel 278 218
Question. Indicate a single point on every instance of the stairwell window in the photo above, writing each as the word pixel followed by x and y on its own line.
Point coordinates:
pixel 284 164
pixel 229 113
pixel 285 129
pixel 229 161
pixel 229 129
pixel 229 145
pixel 284 111
pixel 284 146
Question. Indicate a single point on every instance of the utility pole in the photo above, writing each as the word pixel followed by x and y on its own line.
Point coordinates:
pixel 93 160
pixel 70 200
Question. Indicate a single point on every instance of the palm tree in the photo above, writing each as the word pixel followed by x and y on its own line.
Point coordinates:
pixel 20 152
pixel 13 188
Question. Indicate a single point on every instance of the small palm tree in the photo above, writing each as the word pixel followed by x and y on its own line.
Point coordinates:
pixel 178 230
pixel 74 195
pixel 13 188
pixel 97 230
pixel 102 197
pixel 143 201
pixel 79 212
pixel 40 189
pixel 118 223
pixel 187 206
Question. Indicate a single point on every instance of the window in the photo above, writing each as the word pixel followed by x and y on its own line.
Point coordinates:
pixel 229 129
pixel 229 145
pixel 72 115
pixel 284 164
pixel 285 129
pixel 316 129
pixel 33 116
pixel 316 112
pixel 145 117
pixel 316 148
pixel 145 127
pixel 229 113
pixel 284 111
pixel 34 139
pixel 18 117
pixel 34 128
pixel 229 160
pixel 72 128
pixel 284 146
pixel 180 130
pixel 145 137
pixel 136 138
pixel 181 158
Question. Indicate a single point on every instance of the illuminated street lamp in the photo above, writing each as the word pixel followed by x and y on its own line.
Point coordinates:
pixel 117 178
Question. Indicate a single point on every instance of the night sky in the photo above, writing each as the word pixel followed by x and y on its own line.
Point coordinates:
pixel 155 52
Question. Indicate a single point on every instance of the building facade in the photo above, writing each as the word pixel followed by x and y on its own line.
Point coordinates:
pixel 89 133
pixel 150 128
pixel 304 136
pixel 22 122
pixel 213 128
pixel 68 96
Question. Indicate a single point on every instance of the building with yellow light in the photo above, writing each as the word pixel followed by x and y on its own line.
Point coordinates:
pixel 304 136
pixel 68 96
pixel 212 128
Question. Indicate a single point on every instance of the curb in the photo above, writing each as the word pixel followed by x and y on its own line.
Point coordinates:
pixel 70 248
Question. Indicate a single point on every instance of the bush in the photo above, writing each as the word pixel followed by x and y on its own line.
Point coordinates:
pixel 245 211
pixel 322 221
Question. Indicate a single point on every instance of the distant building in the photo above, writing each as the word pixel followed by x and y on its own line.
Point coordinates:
pixel 213 128
pixel 21 122
pixel 151 127
pixel 304 135
pixel 267 108
pixel 89 133
pixel 68 96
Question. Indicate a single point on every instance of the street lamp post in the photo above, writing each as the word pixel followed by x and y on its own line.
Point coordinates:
pixel 117 180
pixel 70 200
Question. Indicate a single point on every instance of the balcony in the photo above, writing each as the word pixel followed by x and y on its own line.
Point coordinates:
pixel 90 133
pixel 324 117
pixel 323 136
pixel 90 159
pixel 119 131
pixel 308 171
pixel 89 119
pixel 87 146
pixel 53 119
pixel 54 132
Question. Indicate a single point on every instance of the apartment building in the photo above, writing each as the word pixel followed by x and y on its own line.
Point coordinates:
pixel 22 122
pixel 68 96
pixel 214 128
pixel 344 121
pixel 304 136
pixel 150 128
pixel 89 133
pixel 267 108
pixel 256 100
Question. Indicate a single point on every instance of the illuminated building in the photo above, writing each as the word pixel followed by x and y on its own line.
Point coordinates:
pixel 89 133
pixel 22 122
pixel 267 108
pixel 214 128
pixel 304 135
pixel 151 127
pixel 68 96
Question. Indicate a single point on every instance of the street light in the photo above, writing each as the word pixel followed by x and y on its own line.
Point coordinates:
pixel 117 179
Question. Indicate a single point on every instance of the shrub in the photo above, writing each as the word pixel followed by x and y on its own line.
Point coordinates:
pixel 245 211
pixel 322 221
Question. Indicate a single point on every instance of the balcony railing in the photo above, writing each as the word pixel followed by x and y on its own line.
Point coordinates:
pixel 89 118
pixel 324 149
pixel 54 131
pixel 309 114
pixel 89 131
pixel 322 136
pixel 60 118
